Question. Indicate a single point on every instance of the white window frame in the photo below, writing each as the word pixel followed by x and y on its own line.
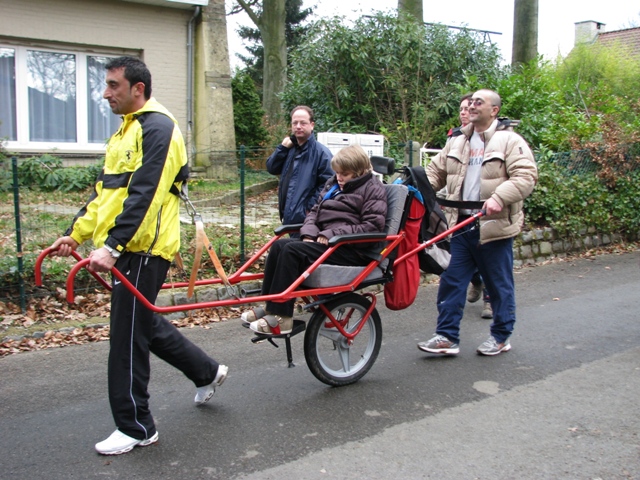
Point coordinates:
pixel 22 142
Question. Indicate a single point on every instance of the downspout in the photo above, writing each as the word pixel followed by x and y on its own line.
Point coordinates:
pixel 190 81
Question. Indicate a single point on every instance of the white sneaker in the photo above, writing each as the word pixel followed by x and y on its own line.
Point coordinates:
pixel 118 443
pixel 492 347
pixel 440 344
pixel 204 394
pixel 252 315
pixel 272 325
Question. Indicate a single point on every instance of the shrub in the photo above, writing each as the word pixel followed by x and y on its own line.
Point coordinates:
pixel 569 104
pixel 532 95
pixel 387 75
pixel 47 173
pixel 568 203
pixel 247 111
pixel 6 177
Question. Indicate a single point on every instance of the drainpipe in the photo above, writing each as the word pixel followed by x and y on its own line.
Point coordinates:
pixel 190 76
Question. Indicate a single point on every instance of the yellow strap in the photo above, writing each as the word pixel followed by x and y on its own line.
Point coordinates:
pixel 202 241
pixel 196 259
pixel 216 261
pixel 178 261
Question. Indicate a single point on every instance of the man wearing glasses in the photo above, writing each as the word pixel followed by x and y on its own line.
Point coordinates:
pixel 304 166
pixel 492 164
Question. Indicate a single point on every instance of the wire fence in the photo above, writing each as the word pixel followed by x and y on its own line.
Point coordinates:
pixel 581 162
pixel 239 212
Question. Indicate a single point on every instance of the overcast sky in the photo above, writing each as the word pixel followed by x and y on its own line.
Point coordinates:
pixel 556 18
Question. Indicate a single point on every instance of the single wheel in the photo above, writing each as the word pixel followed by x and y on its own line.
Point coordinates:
pixel 329 356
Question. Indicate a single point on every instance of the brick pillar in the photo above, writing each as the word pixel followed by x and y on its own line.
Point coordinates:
pixel 213 132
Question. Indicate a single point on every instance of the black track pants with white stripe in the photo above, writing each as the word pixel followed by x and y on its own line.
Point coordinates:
pixel 136 331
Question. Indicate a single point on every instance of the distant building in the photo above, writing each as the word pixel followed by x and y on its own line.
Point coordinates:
pixel 592 32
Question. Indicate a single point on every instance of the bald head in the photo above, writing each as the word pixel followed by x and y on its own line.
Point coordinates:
pixel 484 108
pixel 492 96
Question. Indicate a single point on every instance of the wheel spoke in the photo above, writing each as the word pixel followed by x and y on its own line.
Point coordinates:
pixel 344 352
pixel 332 334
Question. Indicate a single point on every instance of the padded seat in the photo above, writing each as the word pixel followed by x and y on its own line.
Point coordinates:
pixel 335 275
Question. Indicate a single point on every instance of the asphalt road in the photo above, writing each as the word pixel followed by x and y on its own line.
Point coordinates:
pixel 562 404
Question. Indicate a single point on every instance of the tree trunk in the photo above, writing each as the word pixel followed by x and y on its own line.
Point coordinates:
pixel 525 31
pixel 272 28
pixel 411 8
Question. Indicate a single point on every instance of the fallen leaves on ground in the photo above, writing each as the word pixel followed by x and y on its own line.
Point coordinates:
pixel 62 324
pixel 51 339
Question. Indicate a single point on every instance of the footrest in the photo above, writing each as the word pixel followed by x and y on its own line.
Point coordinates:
pixel 299 326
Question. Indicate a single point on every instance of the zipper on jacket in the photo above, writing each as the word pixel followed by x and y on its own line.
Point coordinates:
pixel 155 238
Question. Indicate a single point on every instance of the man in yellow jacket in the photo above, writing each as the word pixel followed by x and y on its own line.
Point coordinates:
pixel 133 218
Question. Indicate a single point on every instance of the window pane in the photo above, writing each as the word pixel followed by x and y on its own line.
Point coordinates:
pixel 7 94
pixel 52 96
pixel 102 121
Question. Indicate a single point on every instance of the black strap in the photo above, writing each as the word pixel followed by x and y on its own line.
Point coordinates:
pixel 460 204
pixel 182 176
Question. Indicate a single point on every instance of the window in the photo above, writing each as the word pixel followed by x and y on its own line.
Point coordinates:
pixel 53 99
pixel 51 87
pixel 102 122
pixel 7 94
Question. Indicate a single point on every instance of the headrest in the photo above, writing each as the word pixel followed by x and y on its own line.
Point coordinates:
pixel 383 165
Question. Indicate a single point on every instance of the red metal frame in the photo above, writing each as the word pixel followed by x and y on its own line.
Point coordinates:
pixel 289 294
pixel 340 324
pixel 240 276
pixel 437 238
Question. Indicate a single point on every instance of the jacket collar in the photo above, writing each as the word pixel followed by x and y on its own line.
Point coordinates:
pixel 355 183
pixel 152 105
pixel 487 134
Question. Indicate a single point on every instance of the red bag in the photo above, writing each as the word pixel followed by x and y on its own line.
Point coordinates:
pixel 402 291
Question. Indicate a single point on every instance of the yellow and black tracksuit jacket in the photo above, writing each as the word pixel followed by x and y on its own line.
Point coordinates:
pixel 132 208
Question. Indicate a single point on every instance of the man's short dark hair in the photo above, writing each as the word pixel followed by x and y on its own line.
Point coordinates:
pixel 135 71
pixel 306 109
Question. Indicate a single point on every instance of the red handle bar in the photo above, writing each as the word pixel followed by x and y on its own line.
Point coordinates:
pixel 45 253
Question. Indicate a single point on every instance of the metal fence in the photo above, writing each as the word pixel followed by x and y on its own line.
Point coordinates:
pixel 580 162
pixel 236 211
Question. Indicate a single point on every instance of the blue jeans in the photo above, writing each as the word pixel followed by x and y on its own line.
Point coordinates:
pixel 494 260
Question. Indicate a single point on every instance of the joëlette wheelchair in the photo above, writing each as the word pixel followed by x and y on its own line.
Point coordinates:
pixel 344 333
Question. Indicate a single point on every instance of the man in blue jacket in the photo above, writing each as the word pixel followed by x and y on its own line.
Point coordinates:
pixel 304 166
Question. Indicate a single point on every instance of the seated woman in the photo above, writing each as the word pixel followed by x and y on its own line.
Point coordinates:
pixel 352 201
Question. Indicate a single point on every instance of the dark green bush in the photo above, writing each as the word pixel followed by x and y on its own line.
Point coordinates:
pixel 626 207
pixel 247 111
pixel 6 178
pixel 383 74
pixel 568 203
pixel 47 173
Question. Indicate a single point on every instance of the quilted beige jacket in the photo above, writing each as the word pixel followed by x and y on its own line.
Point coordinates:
pixel 508 175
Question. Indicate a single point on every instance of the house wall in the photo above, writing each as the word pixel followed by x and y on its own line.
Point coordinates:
pixel 113 27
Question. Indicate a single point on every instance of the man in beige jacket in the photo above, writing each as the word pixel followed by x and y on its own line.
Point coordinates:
pixel 488 163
